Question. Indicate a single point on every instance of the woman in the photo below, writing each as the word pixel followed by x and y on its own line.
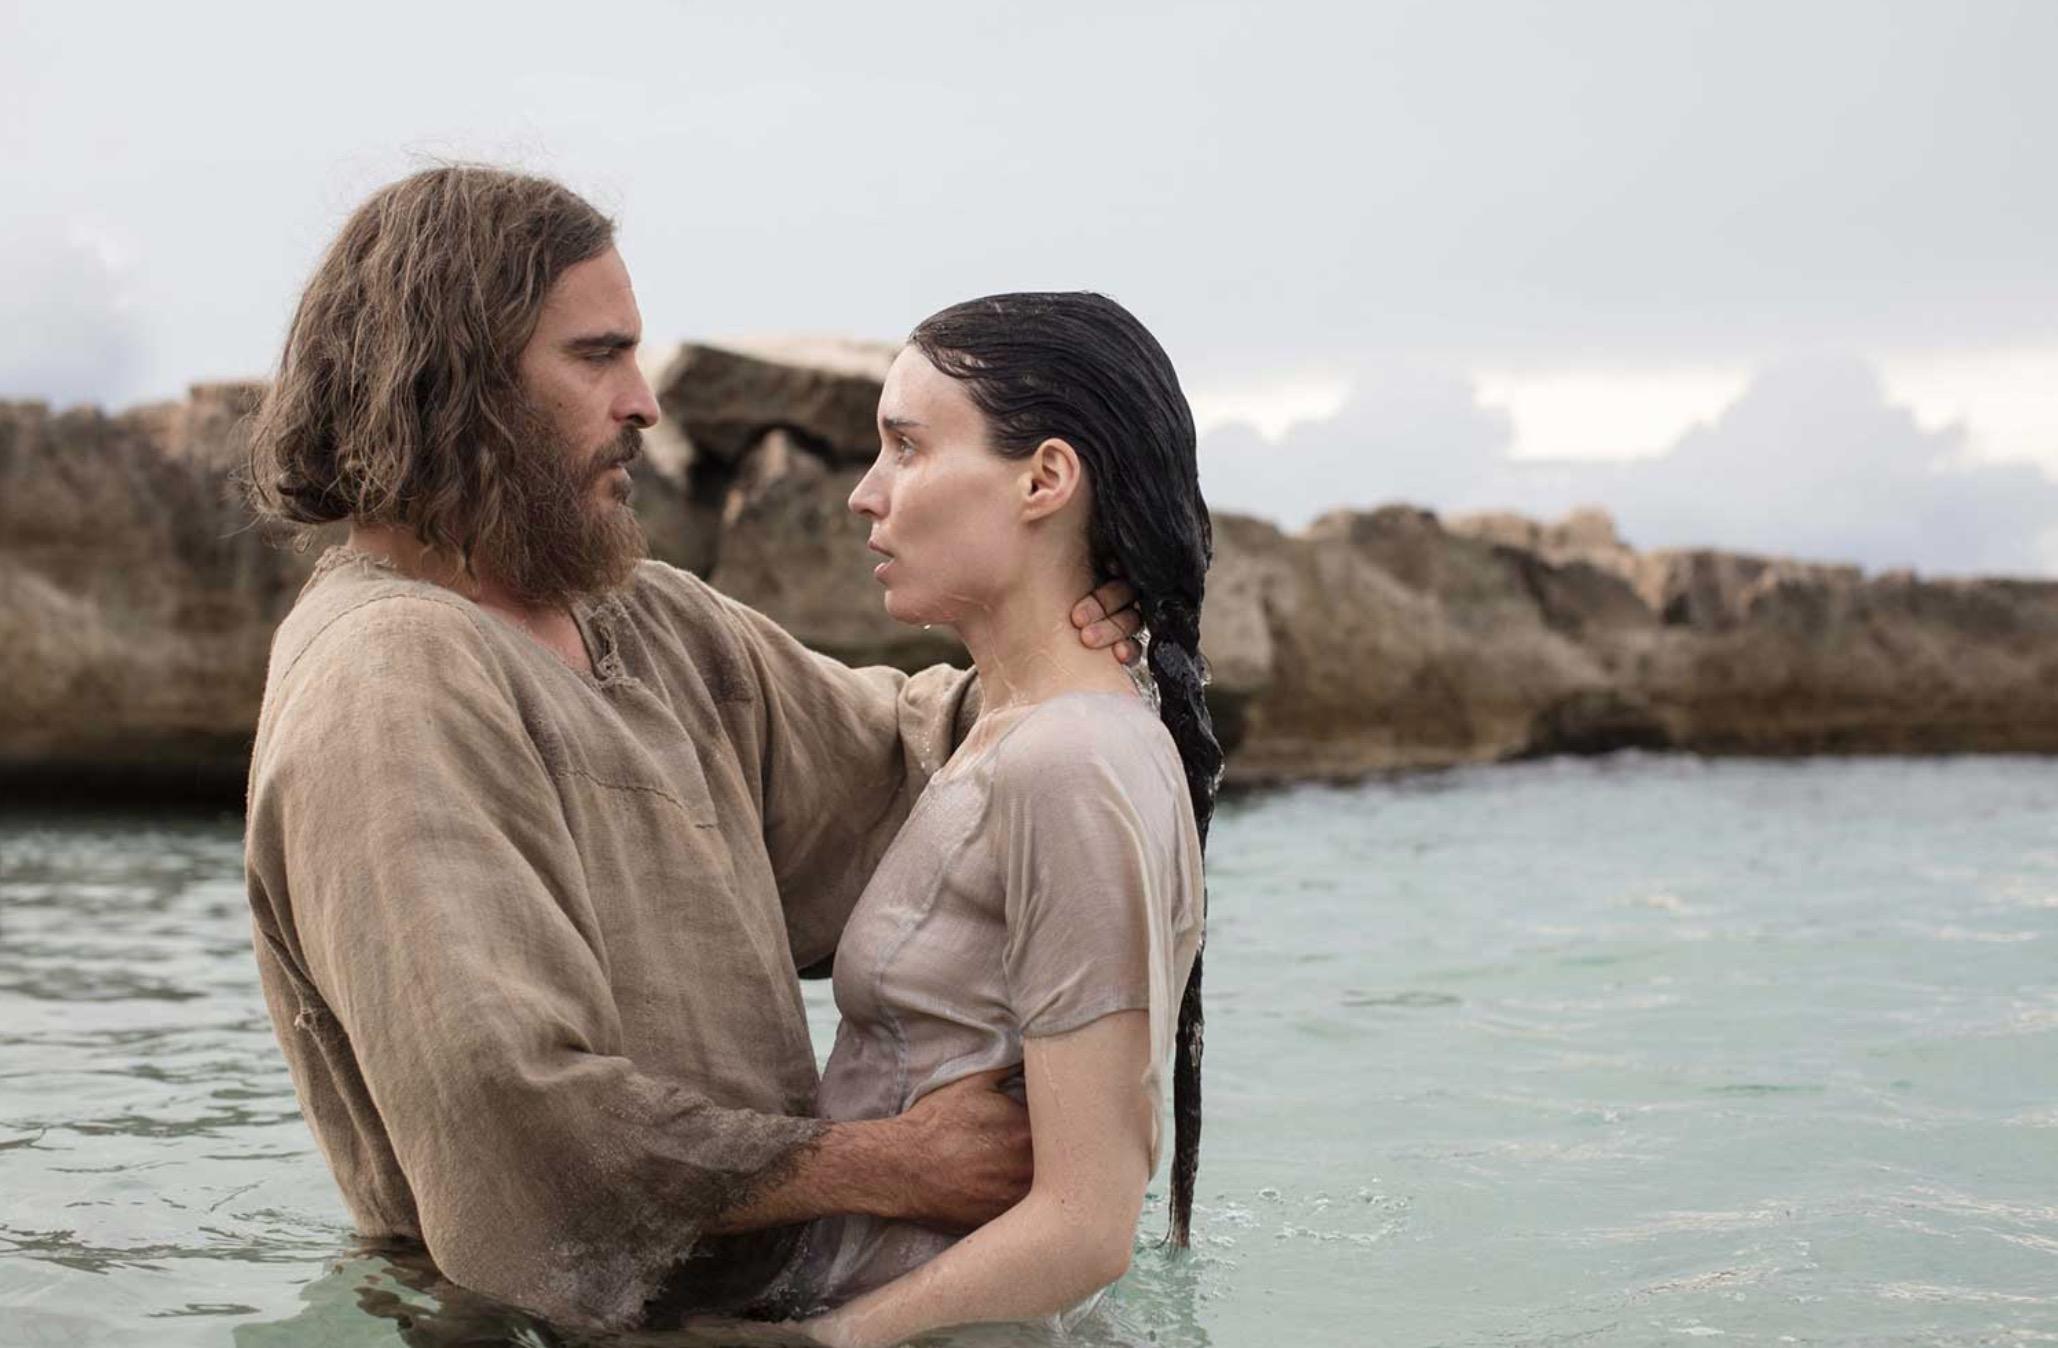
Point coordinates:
pixel 1042 907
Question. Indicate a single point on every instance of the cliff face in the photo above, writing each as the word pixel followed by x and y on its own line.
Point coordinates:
pixel 1398 640
pixel 136 605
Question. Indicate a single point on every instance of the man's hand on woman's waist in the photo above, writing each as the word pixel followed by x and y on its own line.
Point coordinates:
pixel 957 1160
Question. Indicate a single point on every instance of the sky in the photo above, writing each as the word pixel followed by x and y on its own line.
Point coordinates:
pixel 1768 276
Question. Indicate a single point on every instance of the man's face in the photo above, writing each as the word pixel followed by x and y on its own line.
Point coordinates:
pixel 579 374
pixel 565 527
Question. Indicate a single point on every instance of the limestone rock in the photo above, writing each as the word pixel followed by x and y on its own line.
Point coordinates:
pixel 1588 534
pixel 736 414
pixel 136 599
pixel 1716 591
pixel 723 399
pixel 1244 587
pixel 793 550
pixel 1400 644
pixel 137 603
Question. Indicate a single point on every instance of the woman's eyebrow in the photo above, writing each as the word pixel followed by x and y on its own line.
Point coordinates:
pixel 899 423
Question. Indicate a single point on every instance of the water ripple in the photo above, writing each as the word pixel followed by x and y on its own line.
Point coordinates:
pixel 1616 1052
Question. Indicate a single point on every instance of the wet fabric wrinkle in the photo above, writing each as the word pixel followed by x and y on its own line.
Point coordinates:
pixel 528 936
pixel 1045 879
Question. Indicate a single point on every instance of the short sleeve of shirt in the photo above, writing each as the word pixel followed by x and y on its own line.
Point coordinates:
pixel 1091 846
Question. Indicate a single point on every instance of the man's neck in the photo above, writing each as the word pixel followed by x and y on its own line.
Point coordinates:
pixel 551 627
pixel 414 558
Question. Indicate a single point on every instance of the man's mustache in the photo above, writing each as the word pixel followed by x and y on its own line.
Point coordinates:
pixel 622 451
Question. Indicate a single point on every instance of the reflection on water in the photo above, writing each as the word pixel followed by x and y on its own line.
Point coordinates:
pixel 1615 1052
pixel 388 1297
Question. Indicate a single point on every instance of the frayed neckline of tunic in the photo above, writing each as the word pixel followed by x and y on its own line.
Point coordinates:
pixel 599 620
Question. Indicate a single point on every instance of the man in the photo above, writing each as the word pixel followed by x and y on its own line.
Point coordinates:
pixel 540 831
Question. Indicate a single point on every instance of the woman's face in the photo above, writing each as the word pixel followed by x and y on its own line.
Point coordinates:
pixel 946 511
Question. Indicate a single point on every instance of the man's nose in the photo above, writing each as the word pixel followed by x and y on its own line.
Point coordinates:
pixel 640 406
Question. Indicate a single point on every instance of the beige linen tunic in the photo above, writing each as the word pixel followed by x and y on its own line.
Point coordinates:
pixel 1041 883
pixel 521 929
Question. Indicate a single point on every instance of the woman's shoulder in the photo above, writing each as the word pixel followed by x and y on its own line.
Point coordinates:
pixel 1078 739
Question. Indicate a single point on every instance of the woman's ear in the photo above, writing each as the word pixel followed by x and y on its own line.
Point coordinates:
pixel 1052 478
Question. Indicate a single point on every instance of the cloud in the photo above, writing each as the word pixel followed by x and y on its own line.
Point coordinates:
pixel 2006 399
pixel 1271 407
pixel 1618 413
pixel 1403 433
pixel 1608 179
pixel 71 333
pixel 1813 460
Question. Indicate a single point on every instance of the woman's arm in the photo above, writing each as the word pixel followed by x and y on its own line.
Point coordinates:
pixel 1089 1120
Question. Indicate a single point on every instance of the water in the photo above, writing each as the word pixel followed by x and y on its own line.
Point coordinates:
pixel 1638 1051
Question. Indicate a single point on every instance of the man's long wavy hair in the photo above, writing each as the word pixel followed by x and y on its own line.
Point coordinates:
pixel 398 399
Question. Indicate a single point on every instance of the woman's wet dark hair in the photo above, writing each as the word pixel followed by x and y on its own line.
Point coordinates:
pixel 1078 367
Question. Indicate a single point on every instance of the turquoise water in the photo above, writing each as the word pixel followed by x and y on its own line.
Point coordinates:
pixel 1640 1050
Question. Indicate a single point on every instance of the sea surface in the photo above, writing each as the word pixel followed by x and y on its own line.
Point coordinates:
pixel 1640 1050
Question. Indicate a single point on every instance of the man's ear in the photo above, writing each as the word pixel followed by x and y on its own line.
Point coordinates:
pixel 1053 476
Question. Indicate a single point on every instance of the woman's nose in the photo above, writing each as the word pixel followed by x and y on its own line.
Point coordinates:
pixel 867 498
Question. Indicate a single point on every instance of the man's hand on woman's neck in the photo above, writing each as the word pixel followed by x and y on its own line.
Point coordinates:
pixel 1034 649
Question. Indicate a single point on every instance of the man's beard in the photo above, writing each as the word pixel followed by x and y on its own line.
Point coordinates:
pixel 549 541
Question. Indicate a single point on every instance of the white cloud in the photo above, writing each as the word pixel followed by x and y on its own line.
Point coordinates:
pixel 2006 401
pixel 1402 432
pixel 1587 413
pixel 1271 407
pixel 117 251
pixel 1626 181
pixel 1812 460
pixel 72 333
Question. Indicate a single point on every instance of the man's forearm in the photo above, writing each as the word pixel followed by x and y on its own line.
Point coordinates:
pixel 847 1168
pixel 959 1158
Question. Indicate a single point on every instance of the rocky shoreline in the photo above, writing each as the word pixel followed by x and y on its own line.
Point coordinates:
pixel 137 603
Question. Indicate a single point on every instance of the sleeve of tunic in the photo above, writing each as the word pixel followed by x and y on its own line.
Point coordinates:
pixel 1101 869
pixel 1090 854
pixel 421 881
pixel 845 753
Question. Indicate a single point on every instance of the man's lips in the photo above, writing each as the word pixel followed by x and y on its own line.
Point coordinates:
pixel 606 468
pixel 626 449
pixel 603 467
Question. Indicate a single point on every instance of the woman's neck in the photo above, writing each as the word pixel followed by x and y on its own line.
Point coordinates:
pixel 1027 650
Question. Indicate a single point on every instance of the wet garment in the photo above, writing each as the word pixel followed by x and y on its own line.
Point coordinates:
pixel 521 929
pixel 1041 883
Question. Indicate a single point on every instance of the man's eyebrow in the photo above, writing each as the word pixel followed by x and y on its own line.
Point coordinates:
pixel 604 341
pixel 899 423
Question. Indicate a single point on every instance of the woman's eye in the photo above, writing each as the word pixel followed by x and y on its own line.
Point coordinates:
pixel 901 449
